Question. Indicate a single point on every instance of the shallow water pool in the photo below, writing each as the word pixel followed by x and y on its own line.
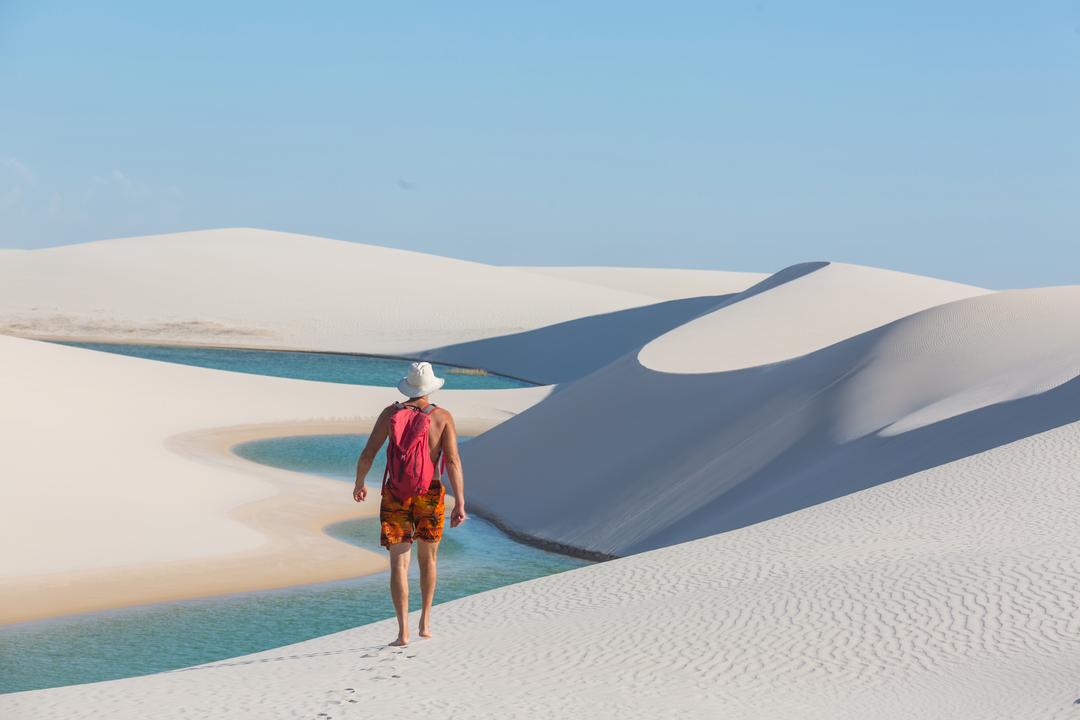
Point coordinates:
pixel 326 367
pixel 135 641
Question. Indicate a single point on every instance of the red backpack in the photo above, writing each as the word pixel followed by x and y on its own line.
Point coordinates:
pixel 409 470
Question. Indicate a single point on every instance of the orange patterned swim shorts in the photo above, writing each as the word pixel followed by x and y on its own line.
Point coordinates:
pixel 415 518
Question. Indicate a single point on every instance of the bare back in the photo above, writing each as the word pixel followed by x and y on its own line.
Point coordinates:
pixel 440 432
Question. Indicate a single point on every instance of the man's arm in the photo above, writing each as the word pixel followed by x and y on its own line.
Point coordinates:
pixel 371 449
pixel 453 469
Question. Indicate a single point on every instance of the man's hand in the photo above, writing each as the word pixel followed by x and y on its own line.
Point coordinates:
pixel 359 492
pixel 457 515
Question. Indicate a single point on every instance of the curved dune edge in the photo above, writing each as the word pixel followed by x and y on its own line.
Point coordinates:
pixel 794 312
pixel 298 551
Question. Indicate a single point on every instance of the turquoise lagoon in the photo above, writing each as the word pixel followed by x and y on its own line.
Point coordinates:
pixel 150 638
pixel 327 367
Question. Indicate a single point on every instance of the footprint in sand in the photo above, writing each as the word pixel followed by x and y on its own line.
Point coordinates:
pixel 344 693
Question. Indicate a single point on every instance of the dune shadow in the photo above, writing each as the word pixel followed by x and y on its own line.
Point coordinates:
pixel 567 351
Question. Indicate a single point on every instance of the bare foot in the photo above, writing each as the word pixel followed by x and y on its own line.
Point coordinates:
pixel 400 642
pixel 425 629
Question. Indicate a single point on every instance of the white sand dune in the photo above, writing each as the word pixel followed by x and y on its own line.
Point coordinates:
pixel 260 288
pixel 630 459
pixel 949 594
pixel 98 474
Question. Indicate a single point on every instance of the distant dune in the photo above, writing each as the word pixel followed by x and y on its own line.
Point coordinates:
pixel 261 288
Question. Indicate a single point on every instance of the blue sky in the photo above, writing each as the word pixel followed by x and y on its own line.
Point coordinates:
pixel 936 138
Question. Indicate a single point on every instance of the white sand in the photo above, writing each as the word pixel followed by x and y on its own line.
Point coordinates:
pixel 947 594
pixel 95 474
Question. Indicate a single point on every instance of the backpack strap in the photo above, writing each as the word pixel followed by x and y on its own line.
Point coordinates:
pixel 426 410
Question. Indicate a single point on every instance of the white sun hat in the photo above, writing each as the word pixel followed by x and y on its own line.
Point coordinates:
pixel 420 381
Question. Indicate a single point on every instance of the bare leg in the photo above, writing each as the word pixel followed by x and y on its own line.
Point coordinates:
pixel 426 558
pixel 399 588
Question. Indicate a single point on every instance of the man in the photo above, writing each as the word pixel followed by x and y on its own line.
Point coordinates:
pixel 420 517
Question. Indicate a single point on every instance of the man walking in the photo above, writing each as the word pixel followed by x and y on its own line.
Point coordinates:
pixel 412 501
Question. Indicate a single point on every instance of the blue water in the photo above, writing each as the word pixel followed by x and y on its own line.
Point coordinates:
pixel 332 456
pixel 134 641
pixel 327 367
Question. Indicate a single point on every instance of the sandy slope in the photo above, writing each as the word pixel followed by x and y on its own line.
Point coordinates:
pixel 630 459
pixel 798 310
pixel 948 594
pixel 261 288
pixel 99 473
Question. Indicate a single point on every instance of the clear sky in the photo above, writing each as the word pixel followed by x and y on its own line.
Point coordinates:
pixel 940 138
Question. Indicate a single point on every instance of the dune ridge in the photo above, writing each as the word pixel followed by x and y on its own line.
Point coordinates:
pixel 800 309
pixel 630 459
